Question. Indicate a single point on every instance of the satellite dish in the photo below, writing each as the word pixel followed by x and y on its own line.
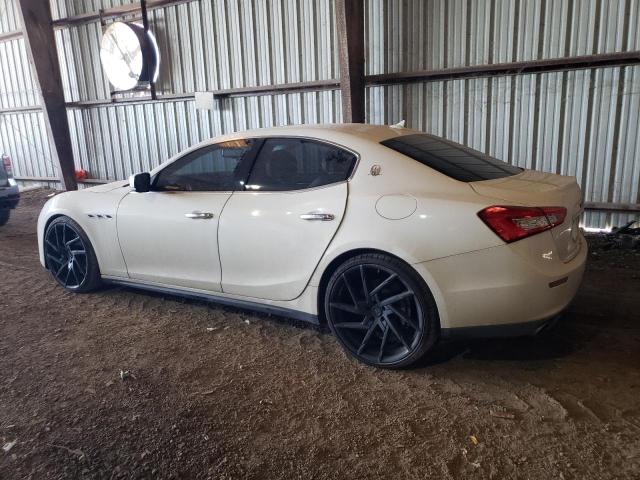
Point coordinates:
pixel 129 55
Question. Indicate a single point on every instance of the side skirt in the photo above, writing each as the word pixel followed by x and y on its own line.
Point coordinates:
pixel 231 302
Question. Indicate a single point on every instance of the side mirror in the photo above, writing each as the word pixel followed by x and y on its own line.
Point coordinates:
pixel 140 182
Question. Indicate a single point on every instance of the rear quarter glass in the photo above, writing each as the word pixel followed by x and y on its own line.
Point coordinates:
pixel 451 159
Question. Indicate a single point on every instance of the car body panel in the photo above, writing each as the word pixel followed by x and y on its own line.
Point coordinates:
pixel 9 195
pixel 9 191
pixel 506 284
pixel 100 227
pixel 266 249
pixel 391 204
pixel 542 189
pixel 153 223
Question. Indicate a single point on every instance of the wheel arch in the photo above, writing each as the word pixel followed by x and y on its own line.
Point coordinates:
pixel 44 233
pixel 65 213
pixel 344 256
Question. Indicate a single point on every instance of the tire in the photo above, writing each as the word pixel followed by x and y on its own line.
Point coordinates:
pixel 4 216
pixel 387 320
pixel 70 257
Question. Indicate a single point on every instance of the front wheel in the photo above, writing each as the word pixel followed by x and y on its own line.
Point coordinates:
pixel 69 256
pixel 381 311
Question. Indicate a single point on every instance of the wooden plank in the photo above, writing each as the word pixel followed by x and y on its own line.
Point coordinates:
pixel 612 207
pixel 115 12
pixel 30 109
pixel 5 37
pixel 316 85
pixel 43 55
pixel 513 68
pixel 95 181
pixel 350 23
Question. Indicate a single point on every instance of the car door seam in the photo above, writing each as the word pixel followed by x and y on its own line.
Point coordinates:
pixel 218 239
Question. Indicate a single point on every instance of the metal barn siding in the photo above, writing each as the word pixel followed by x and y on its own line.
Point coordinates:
pixel 204 46
pixel 23 132
pixel 8 16
pixel 583 122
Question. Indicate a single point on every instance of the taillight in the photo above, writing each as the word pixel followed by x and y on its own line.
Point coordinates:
pixel 515 223
pixel 6 161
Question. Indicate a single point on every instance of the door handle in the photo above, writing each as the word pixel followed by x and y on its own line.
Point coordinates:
pixel 199 215
pixel 323 217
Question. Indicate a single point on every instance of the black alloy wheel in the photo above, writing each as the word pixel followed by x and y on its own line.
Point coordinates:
pixel 69 256
pixel 381 311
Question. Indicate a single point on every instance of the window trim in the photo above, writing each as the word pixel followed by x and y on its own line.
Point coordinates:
pixel 297 137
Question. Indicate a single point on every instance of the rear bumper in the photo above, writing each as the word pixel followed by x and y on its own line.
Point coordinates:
pixel 509 290
pixel 526 329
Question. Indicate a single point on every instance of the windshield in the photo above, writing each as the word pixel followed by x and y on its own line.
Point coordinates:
pixel 451 159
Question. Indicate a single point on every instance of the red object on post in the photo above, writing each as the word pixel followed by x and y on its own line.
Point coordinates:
pixel 82 174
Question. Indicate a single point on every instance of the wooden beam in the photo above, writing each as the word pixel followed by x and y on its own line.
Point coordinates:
pixel 612 207
pixel 43 55
pixel 5 37
pixel 282 88
pixel 350 22
pixel 603 60
pixel 93 181
pixel 116 12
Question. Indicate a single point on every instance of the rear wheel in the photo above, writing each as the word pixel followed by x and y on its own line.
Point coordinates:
pixel 70 257
pixel 4 215
pixel 381 311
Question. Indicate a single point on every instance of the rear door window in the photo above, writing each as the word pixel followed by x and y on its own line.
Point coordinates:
pixel 296 164
pixel 451 159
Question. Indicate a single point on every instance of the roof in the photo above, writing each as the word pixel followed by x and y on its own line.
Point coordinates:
pixel 373 133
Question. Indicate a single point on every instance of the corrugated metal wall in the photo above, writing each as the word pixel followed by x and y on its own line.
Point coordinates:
pixel 584 123
pixel 22 131
pixel 204 46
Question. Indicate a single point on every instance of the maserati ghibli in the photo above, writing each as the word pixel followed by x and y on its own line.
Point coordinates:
pixel 393 238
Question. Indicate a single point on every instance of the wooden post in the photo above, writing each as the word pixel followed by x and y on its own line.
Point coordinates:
pixel 350 22
pixel 41 47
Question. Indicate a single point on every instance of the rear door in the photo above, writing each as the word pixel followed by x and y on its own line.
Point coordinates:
pixel 273 234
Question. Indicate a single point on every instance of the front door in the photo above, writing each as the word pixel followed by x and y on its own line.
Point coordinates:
pixel 170 234
pixel 273 234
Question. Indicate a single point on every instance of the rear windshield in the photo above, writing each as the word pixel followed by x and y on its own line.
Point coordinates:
pixel 453 160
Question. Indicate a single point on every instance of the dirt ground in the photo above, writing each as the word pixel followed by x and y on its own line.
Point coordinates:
pixel 222 393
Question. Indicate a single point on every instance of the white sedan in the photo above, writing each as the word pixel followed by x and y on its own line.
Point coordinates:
pixel 393 237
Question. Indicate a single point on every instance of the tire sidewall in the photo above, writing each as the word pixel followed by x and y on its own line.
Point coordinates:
pixel 431 331
pixel 92 280
pixel 5 213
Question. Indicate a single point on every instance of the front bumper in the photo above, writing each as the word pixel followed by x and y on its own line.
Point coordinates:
pixel 9 197
pixel 509 290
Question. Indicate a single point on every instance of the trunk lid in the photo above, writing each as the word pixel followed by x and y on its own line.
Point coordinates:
pixel 539 189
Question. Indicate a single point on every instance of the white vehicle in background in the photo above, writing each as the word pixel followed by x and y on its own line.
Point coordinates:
pixel 9 193
pixel 393 237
